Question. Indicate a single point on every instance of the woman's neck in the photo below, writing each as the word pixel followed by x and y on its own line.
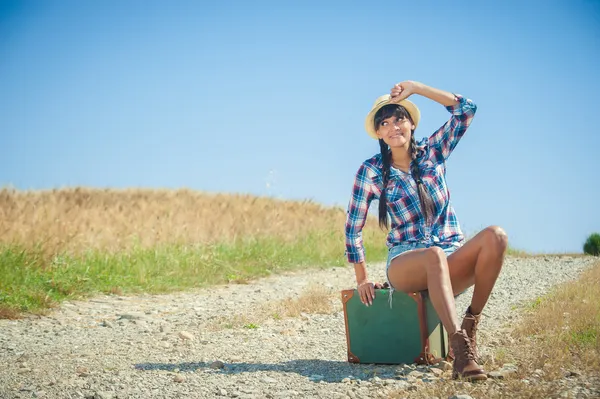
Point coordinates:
pixel 401 158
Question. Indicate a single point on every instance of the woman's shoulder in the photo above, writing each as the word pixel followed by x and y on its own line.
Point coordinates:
pixel 370 170
pixel 375 161
pixel 372 166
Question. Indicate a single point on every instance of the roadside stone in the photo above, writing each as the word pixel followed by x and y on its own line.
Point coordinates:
pixel 496 375
pixel 509 366
pixel 415 374
pixel 538 373
pixel 287 394
pixel 179 378
pixel 445 366
pixel 508 372
pixel 108 324
pixel 131 316
pixel 186 335
pixel 217 364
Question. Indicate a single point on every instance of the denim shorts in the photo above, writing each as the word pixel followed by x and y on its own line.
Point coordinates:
pixel 399 249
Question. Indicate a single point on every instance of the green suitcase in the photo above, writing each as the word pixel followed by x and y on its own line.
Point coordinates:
pixel 401 331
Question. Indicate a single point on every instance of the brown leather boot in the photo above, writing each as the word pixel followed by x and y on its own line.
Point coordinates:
pixel 469 324
pixel 465 366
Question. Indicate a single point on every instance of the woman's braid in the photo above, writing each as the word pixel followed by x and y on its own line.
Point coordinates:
pixel 424 198
pixel 386 159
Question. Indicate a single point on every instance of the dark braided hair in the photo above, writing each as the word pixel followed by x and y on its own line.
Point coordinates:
pixel 424 198
pixel 386 157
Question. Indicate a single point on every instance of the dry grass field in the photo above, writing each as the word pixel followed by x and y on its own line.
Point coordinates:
pixel 71 242
pixel 78 220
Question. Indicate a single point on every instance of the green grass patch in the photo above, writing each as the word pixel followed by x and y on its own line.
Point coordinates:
pixel 586 338
pixel 33 282
pixel 536 303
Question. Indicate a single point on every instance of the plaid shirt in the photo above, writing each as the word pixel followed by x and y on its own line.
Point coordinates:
pixel 404 209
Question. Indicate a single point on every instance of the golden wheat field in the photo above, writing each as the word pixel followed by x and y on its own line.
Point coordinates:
pixel 66 243
pixel 78 219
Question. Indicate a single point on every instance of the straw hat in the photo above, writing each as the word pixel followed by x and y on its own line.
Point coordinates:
pixel 412 109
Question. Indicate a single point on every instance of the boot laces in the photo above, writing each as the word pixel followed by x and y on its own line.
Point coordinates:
pixel 472 326
pixel 465 347
pixel 468 349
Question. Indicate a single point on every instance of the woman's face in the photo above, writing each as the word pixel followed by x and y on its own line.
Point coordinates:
pixel 395 132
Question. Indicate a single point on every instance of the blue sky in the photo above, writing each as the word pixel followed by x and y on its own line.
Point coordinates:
pixel 269 98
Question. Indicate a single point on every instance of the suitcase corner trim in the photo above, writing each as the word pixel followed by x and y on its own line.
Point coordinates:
pixel 346 296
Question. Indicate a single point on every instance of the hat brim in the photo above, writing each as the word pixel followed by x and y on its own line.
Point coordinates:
pixel 382 101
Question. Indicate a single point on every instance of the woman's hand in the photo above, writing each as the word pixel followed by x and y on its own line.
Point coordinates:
pixel 366 292
pixel 403 90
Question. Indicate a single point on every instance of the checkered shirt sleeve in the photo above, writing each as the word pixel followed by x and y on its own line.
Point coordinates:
pixel 363 192
pixel 443 141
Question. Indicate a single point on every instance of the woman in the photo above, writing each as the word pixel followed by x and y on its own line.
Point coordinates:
pixel 427 250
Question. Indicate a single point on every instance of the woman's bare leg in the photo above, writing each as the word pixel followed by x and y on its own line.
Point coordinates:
pixel 427 269
pixel 478 262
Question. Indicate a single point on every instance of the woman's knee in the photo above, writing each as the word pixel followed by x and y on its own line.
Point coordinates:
pixel 496 237
pixel 436 260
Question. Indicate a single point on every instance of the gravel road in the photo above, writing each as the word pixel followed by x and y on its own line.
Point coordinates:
pixel 167 346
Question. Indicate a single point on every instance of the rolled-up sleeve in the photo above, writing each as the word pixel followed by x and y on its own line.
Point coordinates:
pixel 358 207
pixel 444 140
